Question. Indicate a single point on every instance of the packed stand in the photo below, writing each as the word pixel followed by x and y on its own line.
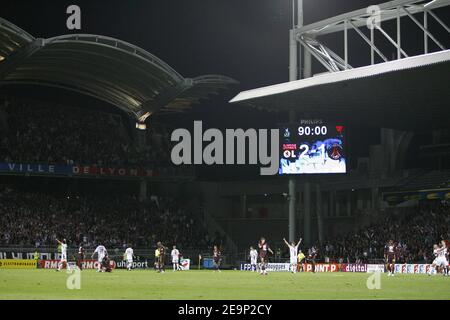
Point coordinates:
pixel 36 220
pixel 414 232
pixel 46 133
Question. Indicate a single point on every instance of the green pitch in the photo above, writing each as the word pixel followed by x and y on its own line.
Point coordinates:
pixel 146 284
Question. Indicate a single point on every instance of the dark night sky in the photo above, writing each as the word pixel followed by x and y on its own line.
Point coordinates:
pixel 243 39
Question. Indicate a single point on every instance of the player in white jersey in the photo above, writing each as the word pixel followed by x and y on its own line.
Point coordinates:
pixel 434 263
pixel 101 253
pixel 128 256
pixel 441 259
pixel 63 260
pixel 253 259
pixel 175 254
pixel 293 252
pixel 440 262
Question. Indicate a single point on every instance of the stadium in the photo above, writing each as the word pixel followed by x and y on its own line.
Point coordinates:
pixel 266 150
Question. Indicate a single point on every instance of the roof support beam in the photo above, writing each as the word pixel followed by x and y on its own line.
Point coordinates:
pixel 359 19
pixel 394 43
pixel 438 20
pixel 311 49
pixel 388 12
pixel 163 99
pixel 369 42
pixel 425 30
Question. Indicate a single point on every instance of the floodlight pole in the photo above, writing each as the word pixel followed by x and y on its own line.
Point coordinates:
pixel 307 73
pixel 294 74
pixel 292 118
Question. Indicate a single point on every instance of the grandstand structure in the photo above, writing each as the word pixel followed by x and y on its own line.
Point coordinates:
pixel 425 185
pixel 110 70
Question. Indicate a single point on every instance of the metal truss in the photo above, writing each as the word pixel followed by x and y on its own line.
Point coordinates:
pixel 370 18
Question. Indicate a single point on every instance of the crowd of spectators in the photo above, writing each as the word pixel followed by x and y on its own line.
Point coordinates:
pixel 414 232
pixel 38 132
pixel 37 219
pixel 47 133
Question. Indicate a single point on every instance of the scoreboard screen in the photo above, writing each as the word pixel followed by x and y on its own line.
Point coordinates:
pixel 311 147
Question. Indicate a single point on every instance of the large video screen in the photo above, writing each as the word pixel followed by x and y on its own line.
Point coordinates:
pixel 312 147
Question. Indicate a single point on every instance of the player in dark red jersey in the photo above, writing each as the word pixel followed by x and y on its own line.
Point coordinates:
pixel 390 252
pixel 80 256
pixel 161 260
pixel 217 258
pixel 106 264
pixel 263 255
pixel 312 255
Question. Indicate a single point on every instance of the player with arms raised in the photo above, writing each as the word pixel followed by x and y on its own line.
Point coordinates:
pixel 263 256
pixel 63 261
pixel 293 251
pixel 101 253
pixel 389 257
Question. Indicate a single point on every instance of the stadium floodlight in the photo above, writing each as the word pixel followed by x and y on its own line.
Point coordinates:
pixel 141 125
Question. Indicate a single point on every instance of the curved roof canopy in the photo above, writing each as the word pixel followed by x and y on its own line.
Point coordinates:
pixel 108 69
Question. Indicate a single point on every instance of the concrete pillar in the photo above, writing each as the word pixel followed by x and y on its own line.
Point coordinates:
pixel 292 211
pixel 330 204
pixel 319 213
pixel 374 196
pixel 326 205
pixel 348 197
pixel 244 206
pixel 143 190
pixel 337 206
pixel 395 144
pixel 307 212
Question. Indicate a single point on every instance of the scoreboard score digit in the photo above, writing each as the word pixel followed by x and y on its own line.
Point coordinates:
pixel 312 147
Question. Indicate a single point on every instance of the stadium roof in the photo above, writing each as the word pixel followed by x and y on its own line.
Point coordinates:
pixel 108 69
pixel 396 94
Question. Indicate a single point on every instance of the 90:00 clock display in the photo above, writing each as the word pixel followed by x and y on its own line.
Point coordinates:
pixel 318 130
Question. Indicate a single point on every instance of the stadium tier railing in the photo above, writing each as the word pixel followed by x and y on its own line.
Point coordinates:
pixel 115 253
pixel 230 260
